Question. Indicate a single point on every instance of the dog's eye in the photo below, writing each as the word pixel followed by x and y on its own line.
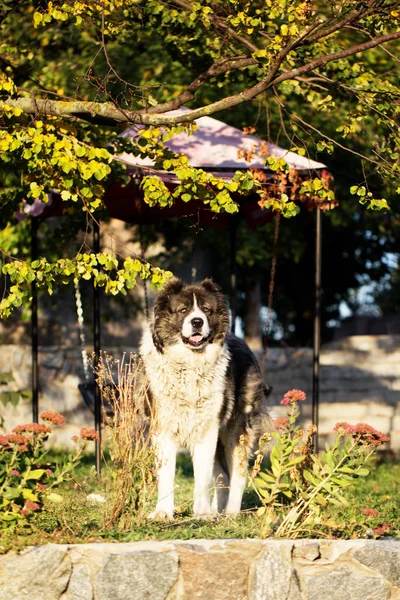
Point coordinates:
pixel 182 310
pixel 206 309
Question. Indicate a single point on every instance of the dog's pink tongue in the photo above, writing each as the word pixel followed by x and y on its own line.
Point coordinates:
pixel 196 337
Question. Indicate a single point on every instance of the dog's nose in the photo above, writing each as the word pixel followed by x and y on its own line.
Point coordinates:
pixel 197 322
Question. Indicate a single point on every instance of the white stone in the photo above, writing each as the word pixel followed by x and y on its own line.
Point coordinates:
pixel 96 498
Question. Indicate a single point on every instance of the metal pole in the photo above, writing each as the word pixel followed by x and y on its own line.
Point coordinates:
pixel 233 239
pixel 34 325
pixel 96 347
pixel 317 324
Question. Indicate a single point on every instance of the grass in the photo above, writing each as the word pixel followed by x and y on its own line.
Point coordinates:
pixel 76 520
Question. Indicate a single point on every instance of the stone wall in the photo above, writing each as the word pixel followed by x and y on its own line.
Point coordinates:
pixel 360 382
pixel 60 372
pixel 205 570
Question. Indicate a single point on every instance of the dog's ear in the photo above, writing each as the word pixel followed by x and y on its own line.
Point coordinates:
pixel 157 340
pixel 174 286
pixel 210 285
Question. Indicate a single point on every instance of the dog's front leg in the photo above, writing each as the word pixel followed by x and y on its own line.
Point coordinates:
pixel 166 455
pixel 203 463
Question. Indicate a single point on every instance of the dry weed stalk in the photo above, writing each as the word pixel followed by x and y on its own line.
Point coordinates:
pixel 132 424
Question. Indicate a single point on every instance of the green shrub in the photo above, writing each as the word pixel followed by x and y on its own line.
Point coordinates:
pixel 299 484
pixel 25 477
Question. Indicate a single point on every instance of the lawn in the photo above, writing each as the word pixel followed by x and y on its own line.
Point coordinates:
pixel 77 520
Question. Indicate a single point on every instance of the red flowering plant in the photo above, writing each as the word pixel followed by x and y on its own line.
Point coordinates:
pixel 300 483
pixel 25 477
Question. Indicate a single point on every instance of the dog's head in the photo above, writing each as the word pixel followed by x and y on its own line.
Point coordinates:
pixel 195 315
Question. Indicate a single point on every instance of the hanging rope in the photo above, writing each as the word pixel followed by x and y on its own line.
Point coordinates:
pixel 265 339
pixel 82 337
pixel 142 255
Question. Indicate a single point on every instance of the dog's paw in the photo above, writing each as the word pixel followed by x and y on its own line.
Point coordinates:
pixel 202 510
pixel 232 514
pixel 161 515
pixel 206 516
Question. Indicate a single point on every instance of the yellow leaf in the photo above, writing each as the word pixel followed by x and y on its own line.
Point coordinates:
pixel 29 495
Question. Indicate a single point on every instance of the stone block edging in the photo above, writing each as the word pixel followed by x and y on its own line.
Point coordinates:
pixel 205 570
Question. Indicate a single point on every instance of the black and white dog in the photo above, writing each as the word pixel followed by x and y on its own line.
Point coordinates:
pixel 206 387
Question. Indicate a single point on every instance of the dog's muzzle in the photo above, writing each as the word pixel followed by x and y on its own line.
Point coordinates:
pixel 197 339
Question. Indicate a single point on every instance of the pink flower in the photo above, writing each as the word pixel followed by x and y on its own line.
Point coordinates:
pixel 293 396
pixel 281 423
pixel 23 448
pixel 18 438
pixel 15 472
pixel 49 472
pixel 344 427
pixel 382 529
pixel 363 432
pixel 33 428
pixel 75 438
pixel 31 506
pixel 24 511
pixel 89 434
pixel 369 434
pixel 41 486
pixel 4 441
pixel 370 512
pixel 52 417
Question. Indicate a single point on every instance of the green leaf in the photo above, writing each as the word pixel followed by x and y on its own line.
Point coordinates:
pixel 362 472
pixel 321 500
pixel 12 493
pixel 308 476
pixel 66 167
pixel 9 516
pixel 339 501
pixel 347 470
pixel 267 477
pixel 36 474
pixel 53 497
pixel 297 460
pixel 287 493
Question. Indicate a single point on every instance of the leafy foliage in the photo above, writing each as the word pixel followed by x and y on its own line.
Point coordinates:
pixel 300 484
pixel 66 83
pixel 26 479
pixel 102 268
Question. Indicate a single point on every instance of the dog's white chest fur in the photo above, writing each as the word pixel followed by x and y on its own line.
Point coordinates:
pixel 187 386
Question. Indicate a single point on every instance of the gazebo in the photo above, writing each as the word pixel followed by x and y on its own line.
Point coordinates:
pixel 215 147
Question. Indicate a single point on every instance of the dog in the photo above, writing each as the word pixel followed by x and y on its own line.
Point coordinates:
pixel 208 394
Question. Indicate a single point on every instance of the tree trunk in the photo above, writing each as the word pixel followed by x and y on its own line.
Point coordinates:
pixel 252 323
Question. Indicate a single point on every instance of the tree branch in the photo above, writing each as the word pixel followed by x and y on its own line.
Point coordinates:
pixel 323 60
pixel 221 25
pixel 93 110
pixel 327 137
pixel 350 17
pixel 220 68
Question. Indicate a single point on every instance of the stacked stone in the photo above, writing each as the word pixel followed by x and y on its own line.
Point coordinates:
pixel 205 570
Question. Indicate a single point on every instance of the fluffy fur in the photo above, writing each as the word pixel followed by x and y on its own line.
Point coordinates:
pixel 208 394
